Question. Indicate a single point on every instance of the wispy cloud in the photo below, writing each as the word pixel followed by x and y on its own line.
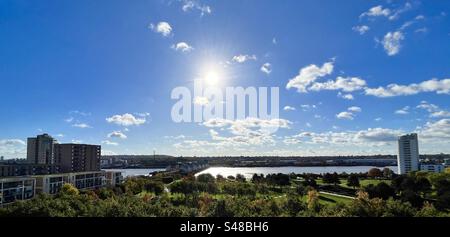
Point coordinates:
pixel 242 58
pixel 183 47
pixel 162 28
pixel 126 120
pixel 81 125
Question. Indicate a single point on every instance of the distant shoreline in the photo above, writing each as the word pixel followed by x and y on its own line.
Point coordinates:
pixel 257 166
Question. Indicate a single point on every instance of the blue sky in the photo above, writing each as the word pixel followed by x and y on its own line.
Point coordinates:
pixel 352 76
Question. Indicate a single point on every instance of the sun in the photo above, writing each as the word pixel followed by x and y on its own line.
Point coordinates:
pixel 212 78
pixel 212 75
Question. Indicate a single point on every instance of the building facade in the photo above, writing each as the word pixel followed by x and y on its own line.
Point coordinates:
pixel 53 183
pixel 435 168
pixel 113 178
pixel 16 188
pixel 24 169
pixel 78 157
pixel 40 149
pixel 408 153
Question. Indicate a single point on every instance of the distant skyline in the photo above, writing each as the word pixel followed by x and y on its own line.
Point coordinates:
pixel 352 76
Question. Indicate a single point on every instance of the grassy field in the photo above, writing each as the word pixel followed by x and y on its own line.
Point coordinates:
pixel 362 182
pixel 327 199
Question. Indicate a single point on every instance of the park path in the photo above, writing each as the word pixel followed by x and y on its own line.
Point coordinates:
pixel 337 195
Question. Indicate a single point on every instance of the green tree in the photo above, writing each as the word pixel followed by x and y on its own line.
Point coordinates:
pixel 69 190
pixel 353 181
pixel 206 178
pixel 375 173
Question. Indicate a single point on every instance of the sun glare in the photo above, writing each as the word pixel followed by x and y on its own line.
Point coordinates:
pixel 212 75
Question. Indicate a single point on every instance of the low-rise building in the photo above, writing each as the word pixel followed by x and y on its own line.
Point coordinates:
pixel 435 168
pixel 113 178
pixel 25 169
pixel 52 183
pixel 16 188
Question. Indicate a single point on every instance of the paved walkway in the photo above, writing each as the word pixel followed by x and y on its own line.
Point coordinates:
pixel 337 195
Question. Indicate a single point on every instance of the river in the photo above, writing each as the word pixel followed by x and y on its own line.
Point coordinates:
pixel 135 172
pixel 249 171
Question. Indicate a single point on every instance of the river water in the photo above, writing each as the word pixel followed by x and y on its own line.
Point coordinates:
pixel 249 171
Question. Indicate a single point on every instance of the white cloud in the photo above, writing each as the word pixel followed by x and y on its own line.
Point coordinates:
pixel 440 114
pixel 433 110
pixel 175 137
pixel 189 5
pixel 355 109
pixel 438 131
pixel 346 96
pixel 75 141
pixel 11 142
pixel 420 17
pixel 126 120
pixel 274 41
pixel 266 68
pixel 69 120
pixel 117 134
pixel 81 125
pixel 308 75
pixel 345 115
pixel 248 123
pixel 362 29
pixel 200 100
pixel 348 84
pixel 162 27
pixel 378 119
pixel 399 11
pixel 12 148
pixel 183 47
pixel 403 111
pixel 244 133
pixel 427 106
pixel 433 85
pixel 392 42
pixel 407 25
pixel 308 107
pixel 288 108
pixel 243 58
pixel 370 136
pixel 377 11
pixel 110 143
pixel 421 30
pixel 349 114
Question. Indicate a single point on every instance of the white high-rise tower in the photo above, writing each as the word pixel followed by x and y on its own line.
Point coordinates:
pixel 408 153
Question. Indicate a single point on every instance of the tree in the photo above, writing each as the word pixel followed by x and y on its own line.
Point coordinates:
pixel 154 187
pixel 240 178
pixel 381 190
pixel 331 178
pixel 313 200
pixel 412 197
pixel 375 173
pixel 300 189
pixel 388 173
pixel 69 189
pixel 310 181
pixel 257 178
pixel 423 185
pixel 353 181
pixel 206 178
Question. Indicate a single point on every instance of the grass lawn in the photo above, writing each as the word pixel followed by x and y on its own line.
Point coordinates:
pixel 327 199
pixel 362 182
pixel 365 182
